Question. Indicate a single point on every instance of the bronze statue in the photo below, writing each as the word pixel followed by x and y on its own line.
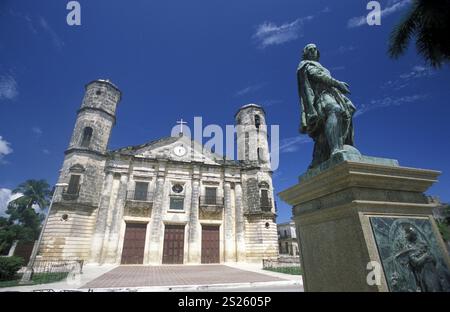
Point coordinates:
pixel 326 111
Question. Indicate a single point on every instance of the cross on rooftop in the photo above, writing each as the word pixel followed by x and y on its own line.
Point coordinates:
pixel 181 123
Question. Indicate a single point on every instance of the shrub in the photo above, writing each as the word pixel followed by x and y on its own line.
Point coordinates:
pixel 9 267
pixel 297 270
pixel 444 228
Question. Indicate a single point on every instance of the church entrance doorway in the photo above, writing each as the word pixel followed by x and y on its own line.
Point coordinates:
pixel 173 251
pixel 210 244
pixel 134 243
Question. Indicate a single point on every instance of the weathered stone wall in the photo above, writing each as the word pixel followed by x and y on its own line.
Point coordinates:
pixel 250 138
pixel 102 95
pixel 251 194
pixel 101 124
pixel 261 241
pixel 96 216
pixel 92 176
pixel 69 238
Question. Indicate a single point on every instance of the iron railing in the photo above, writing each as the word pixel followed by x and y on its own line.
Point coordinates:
pixel 284 236
pixel 266 204
pixel 47 271
pixel 71 194
pixel 211 201
pixel 282 261
pixel 140 196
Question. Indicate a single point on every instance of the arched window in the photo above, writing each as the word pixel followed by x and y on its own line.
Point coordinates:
pixel 257 121
pixel 258 152
pixel 87 136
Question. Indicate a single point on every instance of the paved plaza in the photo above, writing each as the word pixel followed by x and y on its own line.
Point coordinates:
pixel 203 278
pixel 173 275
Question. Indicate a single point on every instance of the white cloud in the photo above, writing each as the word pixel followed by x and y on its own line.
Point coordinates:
pixel 8 87
pixel 268 33
pixel 292 144
pixel 46 151
pixel 405 79
pixel 38 24
pixel 57 42
pixel 270 102
pixel 388 102
pixel 26 18
pixel 5 149
pixel 418 71
pixel 249 89
pixel 345 49
pixel 37 131
pixel 6 196
pixel 336 68
pixel 393 6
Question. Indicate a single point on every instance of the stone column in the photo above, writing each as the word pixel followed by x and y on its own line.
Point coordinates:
pixel 240 233
pixel 230 254
pixel 111 255
pixel 102 214
pixel 194 224
pixel 156 225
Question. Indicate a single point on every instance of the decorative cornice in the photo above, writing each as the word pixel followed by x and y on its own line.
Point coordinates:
pixel 362 175
pixel 83 150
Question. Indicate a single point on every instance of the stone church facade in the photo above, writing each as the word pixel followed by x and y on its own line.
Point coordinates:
pixel 164 202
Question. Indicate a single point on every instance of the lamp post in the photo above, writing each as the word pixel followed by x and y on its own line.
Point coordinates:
pixel 26 277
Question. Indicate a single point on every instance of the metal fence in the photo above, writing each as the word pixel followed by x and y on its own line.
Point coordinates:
pixel 282 262
pixel 211 201
pixel 140 196
pixel 45 271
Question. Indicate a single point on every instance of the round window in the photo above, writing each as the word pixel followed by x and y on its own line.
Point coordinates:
pixel 65 217
pixel 267 225
pixel 177 188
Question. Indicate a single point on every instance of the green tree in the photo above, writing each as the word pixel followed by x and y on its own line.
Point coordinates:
pixel 428 21
pixel 35 192
pixel 444 225
pixel 24 223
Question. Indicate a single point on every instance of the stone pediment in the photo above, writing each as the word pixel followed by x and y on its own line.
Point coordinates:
pixel 173 148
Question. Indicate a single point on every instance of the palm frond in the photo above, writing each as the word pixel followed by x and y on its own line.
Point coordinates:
pixel 402 33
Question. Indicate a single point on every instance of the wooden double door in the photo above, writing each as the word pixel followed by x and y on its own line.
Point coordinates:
pixel 134 243
pixel 210 244
pixel 173 250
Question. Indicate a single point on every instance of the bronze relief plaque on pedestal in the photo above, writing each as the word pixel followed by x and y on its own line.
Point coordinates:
pixel 412 259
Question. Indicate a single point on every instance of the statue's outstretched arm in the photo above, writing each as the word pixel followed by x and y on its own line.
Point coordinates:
pixel 319 75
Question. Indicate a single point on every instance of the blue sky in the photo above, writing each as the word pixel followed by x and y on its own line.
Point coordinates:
pixel 180 59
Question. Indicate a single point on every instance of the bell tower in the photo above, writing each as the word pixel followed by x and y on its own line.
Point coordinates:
pixel 259 206
pixel 251 131
pixel 72 218
pixel 95 118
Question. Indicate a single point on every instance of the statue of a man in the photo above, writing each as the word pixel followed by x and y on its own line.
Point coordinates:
pixel 421 262
pixel 326 111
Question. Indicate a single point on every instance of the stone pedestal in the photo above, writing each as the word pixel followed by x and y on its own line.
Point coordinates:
pixel 364 224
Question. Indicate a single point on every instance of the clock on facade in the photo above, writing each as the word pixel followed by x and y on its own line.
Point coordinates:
pixel 179 150
pixel 177 188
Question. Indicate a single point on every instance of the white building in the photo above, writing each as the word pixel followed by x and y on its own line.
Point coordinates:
pixel 287 239
pixel 166 201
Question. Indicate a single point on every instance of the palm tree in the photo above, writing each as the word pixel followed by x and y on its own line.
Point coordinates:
pixel 35 192
pixel 429 22
pixel 24 223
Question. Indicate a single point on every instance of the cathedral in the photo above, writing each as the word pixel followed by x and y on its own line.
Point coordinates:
pixel 167 201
